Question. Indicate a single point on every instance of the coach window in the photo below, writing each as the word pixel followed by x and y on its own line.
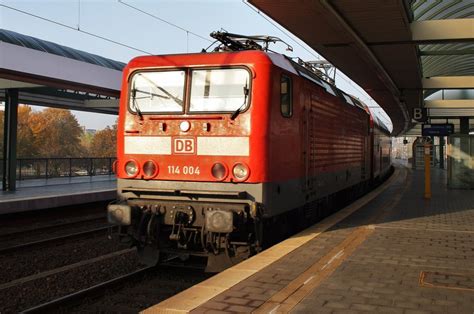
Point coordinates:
pixel 286 94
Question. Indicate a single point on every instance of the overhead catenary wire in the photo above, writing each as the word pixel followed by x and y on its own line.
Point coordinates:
pixel 282 30
pixel 78 14
pixel 163 20
pixel 74 29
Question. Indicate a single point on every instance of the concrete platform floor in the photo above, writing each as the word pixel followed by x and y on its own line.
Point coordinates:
pixel 397 253
pixel 56 192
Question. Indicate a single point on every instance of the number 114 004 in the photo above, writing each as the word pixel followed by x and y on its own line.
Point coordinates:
pixel 186 170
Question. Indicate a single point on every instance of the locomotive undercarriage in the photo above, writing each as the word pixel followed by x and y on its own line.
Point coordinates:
pixel 224 233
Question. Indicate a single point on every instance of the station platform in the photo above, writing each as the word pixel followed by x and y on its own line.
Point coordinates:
pixel 55 192
pixel 391 251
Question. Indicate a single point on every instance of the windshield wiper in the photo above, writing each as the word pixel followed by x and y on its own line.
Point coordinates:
pixel 135 104
pixel 239 110
pixel 151 95
pixel 176 99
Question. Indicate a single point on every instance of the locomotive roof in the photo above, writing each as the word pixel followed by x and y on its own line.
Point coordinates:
pixel 315 77
pixel 277 59
pixel 300 70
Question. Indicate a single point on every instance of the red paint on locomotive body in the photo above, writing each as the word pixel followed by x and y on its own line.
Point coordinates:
pixel 250 128
pixel 329 131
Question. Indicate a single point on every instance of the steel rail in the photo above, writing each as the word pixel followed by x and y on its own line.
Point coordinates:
pixel 52 240
pixel 62 269
pixel 87 292
pixel 101 288
pixel 46 228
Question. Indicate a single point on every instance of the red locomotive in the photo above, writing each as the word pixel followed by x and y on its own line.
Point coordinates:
pixel 218 150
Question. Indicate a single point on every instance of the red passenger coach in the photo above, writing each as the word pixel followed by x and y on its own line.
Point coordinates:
pixel 217 151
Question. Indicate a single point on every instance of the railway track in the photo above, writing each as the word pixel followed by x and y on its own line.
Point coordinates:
pixel 35 227
pixel 53 240
pixel 90 292
pixel 52 227
pixel 141 279
pixel 32 287
pixel 82 264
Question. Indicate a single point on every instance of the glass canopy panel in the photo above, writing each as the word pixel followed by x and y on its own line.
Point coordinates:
pixel 446 9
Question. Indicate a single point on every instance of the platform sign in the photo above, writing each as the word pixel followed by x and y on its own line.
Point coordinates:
pixel 420 114
pixel 437 129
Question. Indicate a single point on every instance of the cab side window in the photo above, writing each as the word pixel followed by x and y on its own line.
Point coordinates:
pixel 286 93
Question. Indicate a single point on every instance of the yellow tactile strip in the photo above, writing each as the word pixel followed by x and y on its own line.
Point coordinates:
pixel 286 299
pixel 197 295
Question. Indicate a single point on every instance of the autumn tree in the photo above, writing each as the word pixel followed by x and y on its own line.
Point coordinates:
pixel 25 137
pixel 56 133
pixel 104 142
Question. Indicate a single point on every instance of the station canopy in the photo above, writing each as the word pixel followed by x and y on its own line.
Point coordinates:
pixel 447 66
pixel 404 54
pixel 49 74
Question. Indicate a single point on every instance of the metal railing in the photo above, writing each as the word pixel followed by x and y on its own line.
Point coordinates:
pixel 44 168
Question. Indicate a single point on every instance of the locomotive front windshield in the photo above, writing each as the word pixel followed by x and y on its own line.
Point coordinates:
pixel 153 92
pixel 212 90
pixel 219 90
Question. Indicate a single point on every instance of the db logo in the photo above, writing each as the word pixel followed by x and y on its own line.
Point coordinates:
pixel 184 146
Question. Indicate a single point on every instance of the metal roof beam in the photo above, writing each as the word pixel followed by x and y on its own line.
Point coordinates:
pixel 450 104
pixel 6 84
pixel 27 98
pixel 443 30
pixel 101 103
pixel 447 82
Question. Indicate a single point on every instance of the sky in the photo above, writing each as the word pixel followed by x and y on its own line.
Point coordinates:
pixel 192 22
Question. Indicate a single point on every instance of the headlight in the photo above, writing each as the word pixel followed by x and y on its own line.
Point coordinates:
pixel 219 171
pixel 219 221
pixel 184 126
pixel 150 169
pixel 114 167
pixel 131 168
pixel 241 172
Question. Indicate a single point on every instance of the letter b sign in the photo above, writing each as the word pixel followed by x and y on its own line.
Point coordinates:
pixel 419 114
pixel 184 146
